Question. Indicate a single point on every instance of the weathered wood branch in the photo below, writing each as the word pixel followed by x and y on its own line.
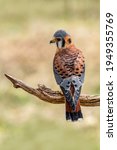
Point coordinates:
pixel 48 95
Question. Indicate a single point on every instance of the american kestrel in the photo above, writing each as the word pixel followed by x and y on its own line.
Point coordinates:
pixel 69 71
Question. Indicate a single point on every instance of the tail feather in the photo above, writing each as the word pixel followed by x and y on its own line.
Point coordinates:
pixel 73 109
pixel 73 115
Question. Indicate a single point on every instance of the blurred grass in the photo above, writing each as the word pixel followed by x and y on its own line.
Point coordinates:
pixel 16 14
pixel 26 27
pixel 48 135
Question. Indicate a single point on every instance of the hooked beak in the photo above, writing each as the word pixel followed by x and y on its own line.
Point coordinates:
pixel 53 40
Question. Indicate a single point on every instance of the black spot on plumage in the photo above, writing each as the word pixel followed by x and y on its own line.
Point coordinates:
pixel 73 81
pixel 63 76
pixel 67 86
pixel 68 82
pixel 57 66
pixel 65 65
pixel 69 75
pixel 63 72
pixel 79 75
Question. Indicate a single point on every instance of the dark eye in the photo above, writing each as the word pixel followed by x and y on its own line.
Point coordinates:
pixel 69 40
pixel 58 39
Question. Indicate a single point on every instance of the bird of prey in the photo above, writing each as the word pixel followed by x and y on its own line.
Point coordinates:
pixel 69 71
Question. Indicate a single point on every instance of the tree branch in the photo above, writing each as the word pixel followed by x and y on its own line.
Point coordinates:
pixel 55 97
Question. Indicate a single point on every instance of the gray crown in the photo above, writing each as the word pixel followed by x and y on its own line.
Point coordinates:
pixel 60 33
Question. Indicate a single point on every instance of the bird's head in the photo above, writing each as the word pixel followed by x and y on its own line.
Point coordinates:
pixel 62 39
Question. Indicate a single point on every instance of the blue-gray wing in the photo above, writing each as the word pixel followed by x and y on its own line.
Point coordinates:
pixel 77 82
pixel 57 76
pixel 65 87
pixel 83 75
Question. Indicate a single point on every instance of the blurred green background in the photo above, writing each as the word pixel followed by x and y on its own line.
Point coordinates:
pixel 26 27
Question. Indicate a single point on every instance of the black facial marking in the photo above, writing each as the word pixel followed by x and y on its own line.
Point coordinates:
pixel 58 39
pixel 57 44
pixel 63 42
pixel 69 40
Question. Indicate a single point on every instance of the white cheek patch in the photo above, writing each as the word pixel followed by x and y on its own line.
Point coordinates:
pixel 60 44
